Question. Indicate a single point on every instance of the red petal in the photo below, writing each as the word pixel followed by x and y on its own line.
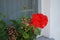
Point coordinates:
pixel 39 20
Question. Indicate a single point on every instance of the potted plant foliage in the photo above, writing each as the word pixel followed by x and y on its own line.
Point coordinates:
pixel 3 26
pixel 24 28
pixel 29 28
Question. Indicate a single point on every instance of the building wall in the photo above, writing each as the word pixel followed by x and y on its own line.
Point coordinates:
pixel 55 19
pixel 52 9
pixel 45 9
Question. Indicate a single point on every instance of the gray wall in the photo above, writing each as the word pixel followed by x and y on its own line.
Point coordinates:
pixel 13 8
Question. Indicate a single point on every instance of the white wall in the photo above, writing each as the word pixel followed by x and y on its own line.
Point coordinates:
pixel 45 8
pixel 55 19
pixel 52 9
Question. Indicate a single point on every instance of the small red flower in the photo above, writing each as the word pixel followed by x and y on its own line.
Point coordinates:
pixel 39 20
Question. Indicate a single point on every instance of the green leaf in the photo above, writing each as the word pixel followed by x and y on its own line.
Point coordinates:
pixel 15 23
pixel 37 31
pixel 25 7
pixel 5 15
pixel 3 26
pixel 26 36
pixel 0 13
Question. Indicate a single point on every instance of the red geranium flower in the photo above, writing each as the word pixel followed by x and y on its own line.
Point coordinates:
pixel 39 20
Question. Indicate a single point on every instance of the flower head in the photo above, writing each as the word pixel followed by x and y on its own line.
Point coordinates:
pixel 39 20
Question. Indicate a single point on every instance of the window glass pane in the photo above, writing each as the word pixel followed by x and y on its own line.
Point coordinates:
pixel 14 8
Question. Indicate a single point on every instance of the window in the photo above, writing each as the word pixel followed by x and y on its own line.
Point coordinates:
pixel 14 8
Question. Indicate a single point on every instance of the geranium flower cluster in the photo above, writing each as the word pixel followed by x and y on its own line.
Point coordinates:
pixel 39 20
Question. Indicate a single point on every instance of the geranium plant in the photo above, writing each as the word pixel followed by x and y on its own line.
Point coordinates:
pixel 29 28
pixel 23 28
